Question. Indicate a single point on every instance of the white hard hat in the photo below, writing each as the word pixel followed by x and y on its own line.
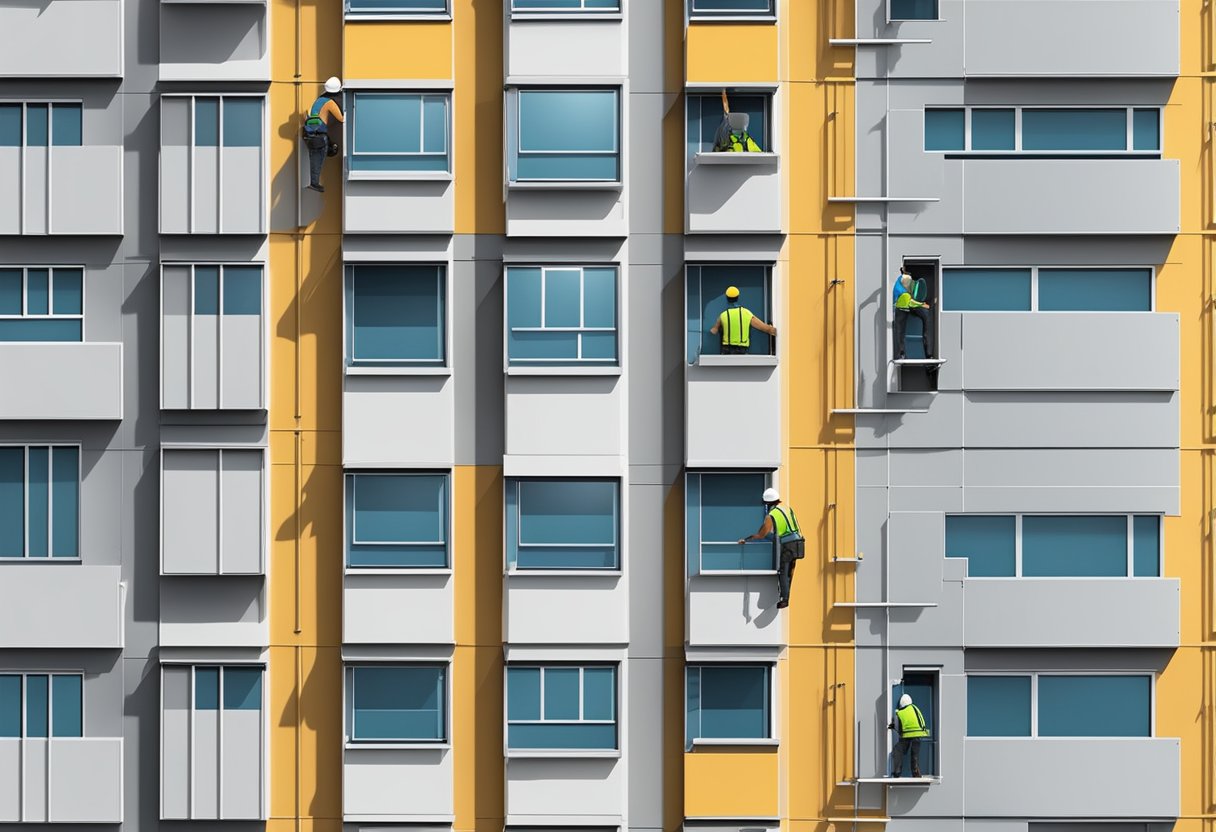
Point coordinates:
pixel 905 701
pixel 739 121
pixel 770 495
pixel 334 84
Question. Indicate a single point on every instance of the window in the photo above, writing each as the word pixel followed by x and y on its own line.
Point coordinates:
pixel 564 135
pixel 912 9
pixel 212 512
pixel 397 520
pixel 398 7
pixel 212 742
pixel 1059 705
pixel 1044 289
pixel 400 132
pixel 707 301
pixel 212 164
pixel 213 336
pixel 565 5
pixel 705 117
pixel 40 501
pixel 561 707
pixel 40 124
pixel 396 703
pixel 39 705
pixel 562 316
pixel 1056 545
pixel 567 524
pixel 721 508
pixel 396 315
pixel 731 8
pixel 728 702
pixel 41 304
pixel 1044 130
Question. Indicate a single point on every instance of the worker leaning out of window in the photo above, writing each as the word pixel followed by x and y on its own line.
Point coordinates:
pixel 735 325
pixel 782 523
pixel 906 306
pixel 316 131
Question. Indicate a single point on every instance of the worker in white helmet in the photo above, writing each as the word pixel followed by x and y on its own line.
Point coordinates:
pixel 912 729
pixel 781 523
pixel 316 131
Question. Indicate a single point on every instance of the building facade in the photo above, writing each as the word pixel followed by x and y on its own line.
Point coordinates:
pixel 413 505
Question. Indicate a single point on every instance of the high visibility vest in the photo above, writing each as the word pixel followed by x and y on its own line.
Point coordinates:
pixel 736 326
pixel 911 723
pixel 785 524
pixel 905 301
pixel 315 124
pixel 738 143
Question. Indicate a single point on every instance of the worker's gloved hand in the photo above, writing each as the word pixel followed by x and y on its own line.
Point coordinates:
pixel 332 150
pixel 742 540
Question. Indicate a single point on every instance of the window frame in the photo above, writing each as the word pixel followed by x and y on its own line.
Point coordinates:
pixel 396 14
pixel 514 146
pixel 772 705
pixel 264 324
pixel 350 485
pixel 770 300
pixel 352 128
pixel 731 15
pixel 1035 675
pixel 618 544
pixel 26 557
pixel 396 366
pixel 51 315
pixel 560 366
pixel 23 709
pixel 770 478
pixel 191 137
pixel 1017 132
pixel 351 742
pixel 581 13
pixel 49 103
pixel 1034 289
pixel 558 751
pixel 1017 575
pixel 771 132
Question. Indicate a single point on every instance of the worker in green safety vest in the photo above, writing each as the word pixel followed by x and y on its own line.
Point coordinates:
pixel 912 729
pixel 735 325
pixel 783 525
pixel 905 306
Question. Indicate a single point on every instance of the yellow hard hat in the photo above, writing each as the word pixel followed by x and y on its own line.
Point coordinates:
pixel 732 292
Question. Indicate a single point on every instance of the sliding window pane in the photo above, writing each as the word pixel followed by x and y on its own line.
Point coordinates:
pixel 1095 290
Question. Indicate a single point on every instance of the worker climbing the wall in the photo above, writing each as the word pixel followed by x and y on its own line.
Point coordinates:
pixel 316 131
pixel 732 135
pixel 735 325
pixel 905 307
pixel 912 729
pixel 781 523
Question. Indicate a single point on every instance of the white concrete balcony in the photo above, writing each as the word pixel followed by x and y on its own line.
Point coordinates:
pixel 61 380
pixel 61 780
pixel 87 613
pixel 61 190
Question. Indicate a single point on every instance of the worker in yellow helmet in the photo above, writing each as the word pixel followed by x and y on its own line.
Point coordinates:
pixel 735 325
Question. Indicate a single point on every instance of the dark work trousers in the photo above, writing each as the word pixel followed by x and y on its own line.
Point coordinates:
pixel 318 145
pixel 912 746
pixel 732 349
pixel 790 552
pixel 901 330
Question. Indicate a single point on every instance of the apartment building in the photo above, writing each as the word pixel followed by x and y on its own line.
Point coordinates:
pixel 413 505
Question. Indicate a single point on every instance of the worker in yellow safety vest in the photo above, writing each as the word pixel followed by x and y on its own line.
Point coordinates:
pixel 912 729
pixel 735 325
pixel 787 536
pixel 906 306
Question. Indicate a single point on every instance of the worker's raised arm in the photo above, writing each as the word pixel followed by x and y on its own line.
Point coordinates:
pixel 766 528
pixel 763 327
pixel 713 330
pixel 331 108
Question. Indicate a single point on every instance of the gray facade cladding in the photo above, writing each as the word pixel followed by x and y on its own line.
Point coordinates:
pixel 1041 414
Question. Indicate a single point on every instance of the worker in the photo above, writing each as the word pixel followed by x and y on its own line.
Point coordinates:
pixel 912 729
pixel 735 325
pixel 906 305
pixel 316 131
pixel 732 136
pixel 781 523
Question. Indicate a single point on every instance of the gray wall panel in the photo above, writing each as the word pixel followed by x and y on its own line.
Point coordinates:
pixel 915 574
pixel 1071 420
pixel 176 304
pixel 204 765
pixel 10 780
pixel 174 165
pixel 190 512
pixel 1069 350
pixel 241 765
pixel 175 743
pixel 63 38
pixel 242 521
pixel 242 191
